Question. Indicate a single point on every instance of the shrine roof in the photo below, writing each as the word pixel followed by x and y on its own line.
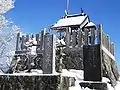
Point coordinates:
pixel 71 20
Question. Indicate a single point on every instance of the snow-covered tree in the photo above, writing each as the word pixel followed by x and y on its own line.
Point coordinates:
pixel 6 5
pixel 8 32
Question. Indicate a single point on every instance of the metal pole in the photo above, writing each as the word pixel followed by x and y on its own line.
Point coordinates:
pixel 68 6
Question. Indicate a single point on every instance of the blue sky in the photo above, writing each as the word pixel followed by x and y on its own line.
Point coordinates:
pixel 33 15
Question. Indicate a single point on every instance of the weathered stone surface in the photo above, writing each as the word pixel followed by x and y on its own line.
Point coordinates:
pixel 73 58
pixel 67 82
pixel 22 63
pixel 37 82
pixel 92 63
pixel 13 82
pixel 102 64
pixel 109 69
pixel 48 66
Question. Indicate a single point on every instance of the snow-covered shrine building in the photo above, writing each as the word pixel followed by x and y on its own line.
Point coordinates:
pixel 87 48
pixel 44 61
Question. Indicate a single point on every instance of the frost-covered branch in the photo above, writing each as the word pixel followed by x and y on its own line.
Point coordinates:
pixel 8 32
pixel 6 5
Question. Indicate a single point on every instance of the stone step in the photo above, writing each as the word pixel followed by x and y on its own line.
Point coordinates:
pixel 94 85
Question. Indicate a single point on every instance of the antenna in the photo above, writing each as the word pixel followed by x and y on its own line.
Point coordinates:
pixel 68 6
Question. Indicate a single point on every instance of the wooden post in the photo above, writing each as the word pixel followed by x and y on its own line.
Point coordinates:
pixel 22 43
pixel 43 32
pixel 92 30
pixel 108 43
pixel 86 36
pixel 38 47
pixel 67 37
pixel 80 38
pixel 105 41
pixel 99 34
pixel 27 38
pixel 17 42
pixel 32 36
pixel 74 37
pixel 103 38
pixel 113 48
pixel 37 38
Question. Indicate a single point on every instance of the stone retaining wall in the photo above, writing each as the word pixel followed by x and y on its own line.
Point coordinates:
pixel 11 82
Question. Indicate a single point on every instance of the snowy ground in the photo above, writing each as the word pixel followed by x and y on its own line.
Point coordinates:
pixel 78 74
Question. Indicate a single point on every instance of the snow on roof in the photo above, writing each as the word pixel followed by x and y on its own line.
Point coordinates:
pixel 90 24
pixel 71 21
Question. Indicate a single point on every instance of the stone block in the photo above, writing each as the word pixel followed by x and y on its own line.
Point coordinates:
pixel 49 54
pixel 92 63
pixel 94 85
